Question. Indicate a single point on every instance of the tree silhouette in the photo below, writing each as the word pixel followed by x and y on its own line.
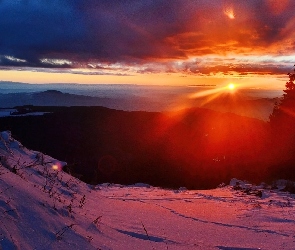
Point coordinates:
pixel 282 121
pixel 283 114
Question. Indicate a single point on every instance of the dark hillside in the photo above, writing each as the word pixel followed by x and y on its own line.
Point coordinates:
pixel 197 148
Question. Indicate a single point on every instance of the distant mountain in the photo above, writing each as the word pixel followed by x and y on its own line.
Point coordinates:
pixel 239 104
pixel 58 98
pixel 259 108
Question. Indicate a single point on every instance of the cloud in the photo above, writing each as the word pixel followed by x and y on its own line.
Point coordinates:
pixel 66 71
pixel 153 34
pixel 216 65
pixel 31 29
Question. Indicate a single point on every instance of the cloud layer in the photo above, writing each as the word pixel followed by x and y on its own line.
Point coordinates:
pixel 149 36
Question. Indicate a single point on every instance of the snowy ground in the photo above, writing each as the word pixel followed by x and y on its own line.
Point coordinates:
pixel 42 207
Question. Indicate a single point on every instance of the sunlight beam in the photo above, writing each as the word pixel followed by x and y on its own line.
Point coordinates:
pixel 209 92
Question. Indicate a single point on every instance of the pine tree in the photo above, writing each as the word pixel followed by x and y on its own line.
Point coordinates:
pixel 282 121
pixel 283 114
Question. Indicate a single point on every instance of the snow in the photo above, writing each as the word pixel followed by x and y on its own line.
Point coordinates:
pixel 42 207
pixel 7 112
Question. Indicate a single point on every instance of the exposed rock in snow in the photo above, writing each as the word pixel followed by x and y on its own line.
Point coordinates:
pixel 243 184
pixel 140 185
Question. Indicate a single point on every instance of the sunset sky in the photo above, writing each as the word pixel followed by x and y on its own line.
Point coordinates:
pixel 175 42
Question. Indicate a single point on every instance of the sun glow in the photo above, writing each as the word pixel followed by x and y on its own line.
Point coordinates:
pixel 231 86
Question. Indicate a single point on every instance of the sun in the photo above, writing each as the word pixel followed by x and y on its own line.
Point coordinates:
pixel 231 86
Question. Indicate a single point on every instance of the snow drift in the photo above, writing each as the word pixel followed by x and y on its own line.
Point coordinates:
pixel 42 207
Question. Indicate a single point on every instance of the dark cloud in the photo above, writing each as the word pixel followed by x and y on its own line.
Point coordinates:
pixel 34 29
pixel 140 30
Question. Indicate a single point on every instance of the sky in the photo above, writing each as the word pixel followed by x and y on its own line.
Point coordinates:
pixel 174 42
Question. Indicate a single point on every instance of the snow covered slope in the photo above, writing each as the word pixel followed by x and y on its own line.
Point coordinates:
pixel 42 207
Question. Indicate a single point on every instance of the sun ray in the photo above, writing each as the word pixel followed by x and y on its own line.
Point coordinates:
pixel 214 91
pixel 210 95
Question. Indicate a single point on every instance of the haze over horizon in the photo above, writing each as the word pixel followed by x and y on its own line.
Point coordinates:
pixel 249 43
